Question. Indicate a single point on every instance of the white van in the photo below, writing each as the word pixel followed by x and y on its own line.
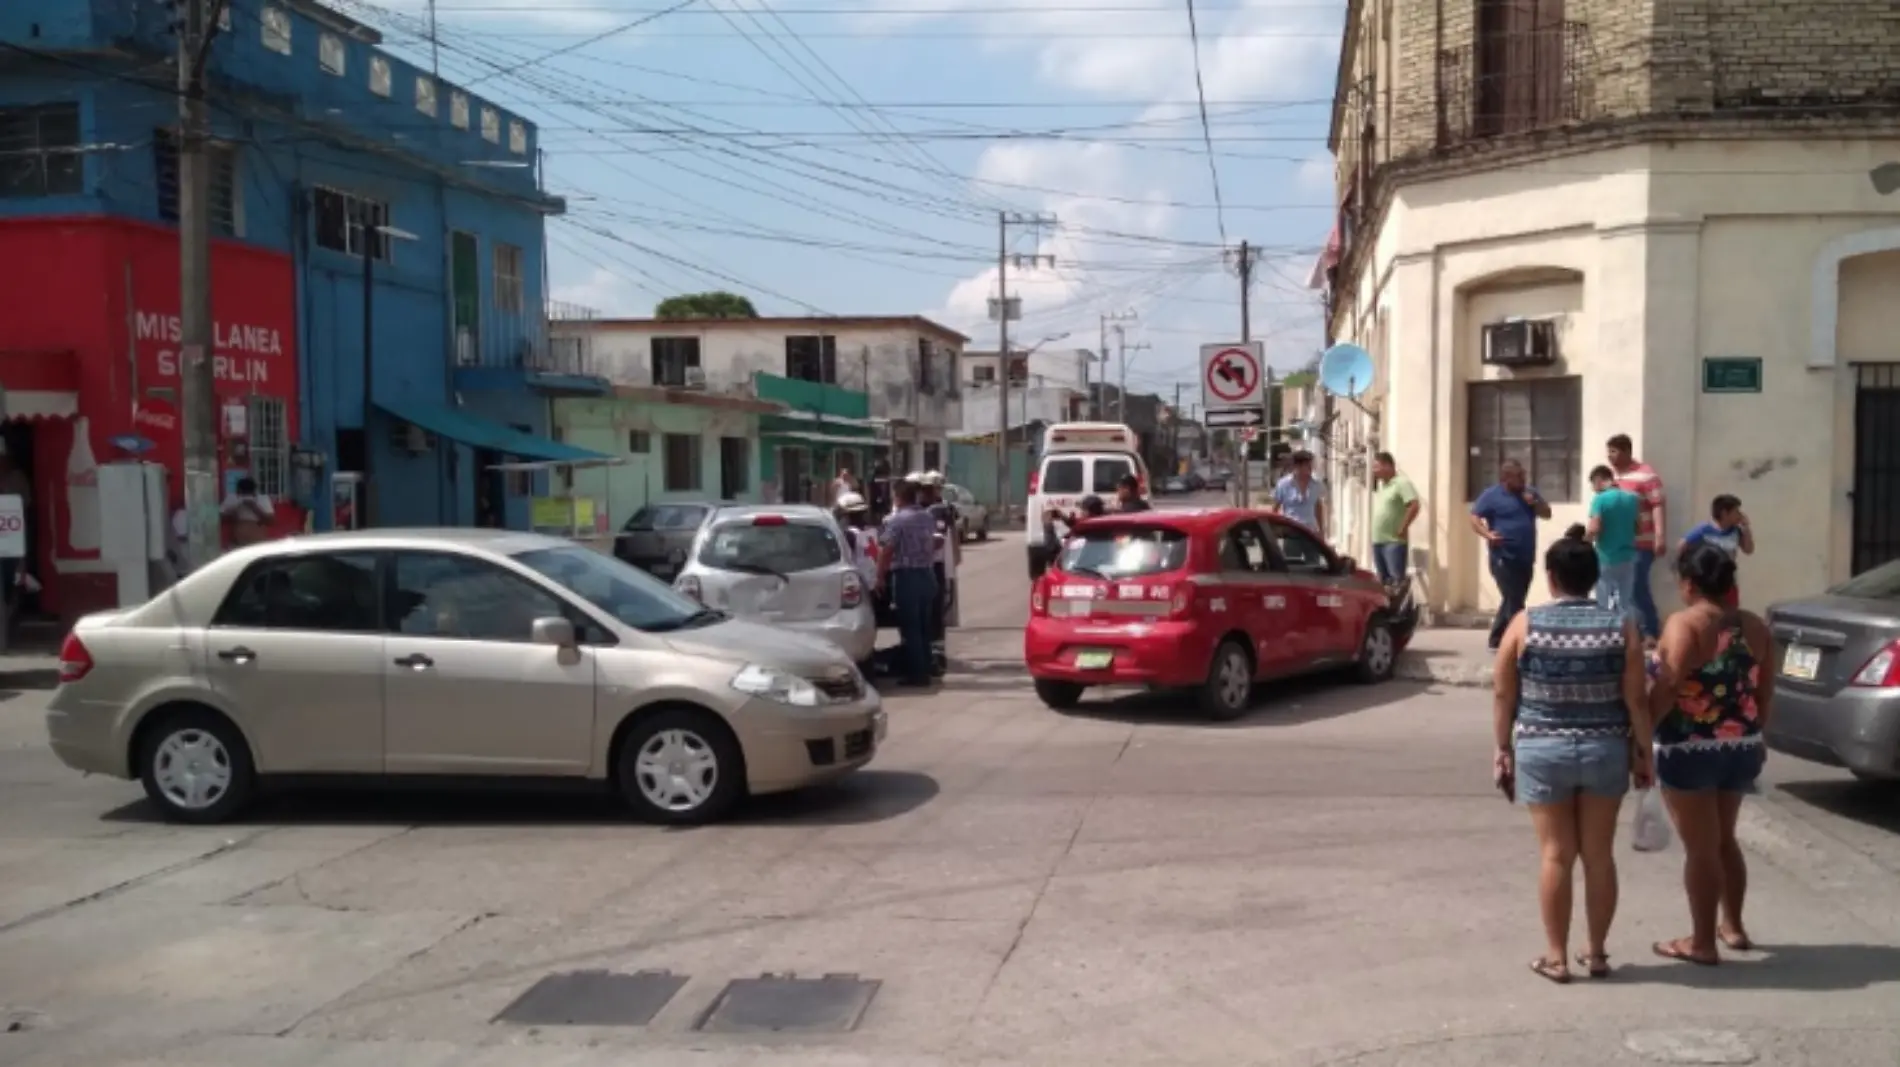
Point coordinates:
pixel 1078 459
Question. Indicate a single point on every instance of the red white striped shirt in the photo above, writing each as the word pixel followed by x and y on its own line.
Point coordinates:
pixel 1643 480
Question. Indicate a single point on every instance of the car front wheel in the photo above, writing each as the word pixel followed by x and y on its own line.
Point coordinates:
pixel 196 767
pixel 682 768
pixel 1228 690
pixel 1378 653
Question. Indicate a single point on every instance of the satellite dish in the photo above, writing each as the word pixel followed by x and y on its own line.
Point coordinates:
pixel 1345 370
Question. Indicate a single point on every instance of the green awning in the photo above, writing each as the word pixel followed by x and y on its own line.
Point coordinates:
pixel 477 432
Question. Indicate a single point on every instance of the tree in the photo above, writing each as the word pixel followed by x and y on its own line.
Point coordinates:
pixel 713 305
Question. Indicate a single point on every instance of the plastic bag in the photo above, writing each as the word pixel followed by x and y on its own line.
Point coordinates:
pixel 1650 828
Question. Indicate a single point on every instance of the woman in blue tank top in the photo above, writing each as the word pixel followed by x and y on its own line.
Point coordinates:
pixel 1571 731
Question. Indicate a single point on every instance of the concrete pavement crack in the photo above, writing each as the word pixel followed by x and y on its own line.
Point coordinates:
pixel 1029 916
pixel 131 883
pixel 467 924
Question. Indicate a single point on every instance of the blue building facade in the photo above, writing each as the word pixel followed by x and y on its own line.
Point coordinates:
pixel 358 167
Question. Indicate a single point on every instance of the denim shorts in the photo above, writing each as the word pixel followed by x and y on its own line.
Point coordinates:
pixel 1551 769
pixel 1725 769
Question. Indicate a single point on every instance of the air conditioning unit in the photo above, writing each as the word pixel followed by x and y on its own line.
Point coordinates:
pixel 693 377
pixel 1520 343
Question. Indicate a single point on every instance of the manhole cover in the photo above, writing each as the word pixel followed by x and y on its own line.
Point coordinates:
pixel 594 998
pixel 783 1003
pixel 1690 1046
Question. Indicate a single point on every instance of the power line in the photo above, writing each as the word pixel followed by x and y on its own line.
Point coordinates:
pixel 585 42
pixel 1207 137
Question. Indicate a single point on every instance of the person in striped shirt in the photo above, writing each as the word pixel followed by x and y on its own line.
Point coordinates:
pixel 1642 479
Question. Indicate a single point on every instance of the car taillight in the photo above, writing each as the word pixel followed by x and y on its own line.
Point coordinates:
pixel 1141 484
pixel 853 590
pixel 1182 601
pixel 1038 603
pixel 75 662
pixel 688 585
pixel 1035 480
pixel 1880 672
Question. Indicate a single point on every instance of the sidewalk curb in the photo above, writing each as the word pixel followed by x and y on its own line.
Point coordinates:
pixel 1411 668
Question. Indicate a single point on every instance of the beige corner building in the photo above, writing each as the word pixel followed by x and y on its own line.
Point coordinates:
pixel 1672 219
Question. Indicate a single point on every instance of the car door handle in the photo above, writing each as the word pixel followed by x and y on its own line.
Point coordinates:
pixel 240 654
pixel 415 661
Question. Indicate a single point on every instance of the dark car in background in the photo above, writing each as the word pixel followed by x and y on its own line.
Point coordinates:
pixel 658 536
pixel 1837 676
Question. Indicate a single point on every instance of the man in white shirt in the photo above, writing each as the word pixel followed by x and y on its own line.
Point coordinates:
pixel 249 513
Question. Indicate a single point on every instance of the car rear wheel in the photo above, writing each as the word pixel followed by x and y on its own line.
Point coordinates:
pixel 682 768
pixel 1378 653
pixel 983 531
pixel 1058 695
pixel 196 767
pixel 1228 690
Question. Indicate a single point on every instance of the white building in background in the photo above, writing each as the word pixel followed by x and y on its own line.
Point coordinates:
pixel 1044 386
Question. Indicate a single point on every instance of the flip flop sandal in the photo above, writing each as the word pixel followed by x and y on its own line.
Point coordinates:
pixel 1673 950
pixel 1551 970
pixel 1738 942
pixel 1597 966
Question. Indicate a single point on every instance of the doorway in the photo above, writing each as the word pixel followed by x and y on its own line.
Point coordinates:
pixel 491 490
pixel 18 476
pixel 1876 497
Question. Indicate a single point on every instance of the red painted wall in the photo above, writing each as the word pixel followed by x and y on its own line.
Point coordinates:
pixel 106 292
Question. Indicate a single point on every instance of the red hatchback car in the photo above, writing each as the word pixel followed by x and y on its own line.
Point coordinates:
pixel 1211 600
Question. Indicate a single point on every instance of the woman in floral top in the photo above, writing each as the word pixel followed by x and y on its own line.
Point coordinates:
pixel 1710 702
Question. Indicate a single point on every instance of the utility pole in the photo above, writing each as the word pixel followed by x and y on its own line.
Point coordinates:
pixel 1243 263
pixel 198 411
pixel 1095 406
pixel 1002 311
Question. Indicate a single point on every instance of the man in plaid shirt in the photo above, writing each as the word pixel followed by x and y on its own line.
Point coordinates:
pixel 907 566
pixel 1642 479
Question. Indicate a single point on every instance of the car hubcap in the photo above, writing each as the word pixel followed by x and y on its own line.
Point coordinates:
pixel 1378 649
pixel 1233 680
pixel 192 769
pixel 676 770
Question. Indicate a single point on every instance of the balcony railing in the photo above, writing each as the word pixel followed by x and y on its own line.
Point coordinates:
pixel 1515 82
pixel 522 342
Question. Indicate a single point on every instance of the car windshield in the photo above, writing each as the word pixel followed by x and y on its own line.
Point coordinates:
pixel 1881 583
pixel 667 517
pixel 1124 552
pixel 622 591
pixel 774 548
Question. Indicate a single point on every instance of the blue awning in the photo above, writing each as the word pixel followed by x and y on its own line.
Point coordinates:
pixel 477 432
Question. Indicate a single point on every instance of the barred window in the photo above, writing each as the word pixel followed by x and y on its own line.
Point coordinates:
pixel 270 445
pixel 39 151
pixel 510 286
pixel 425 95
pixel 379 75
pixel 332 56
pixel 224 182
pixel 1537 422
pixel 275 25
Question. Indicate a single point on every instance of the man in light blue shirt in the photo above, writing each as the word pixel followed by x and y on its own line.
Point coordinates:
pixel 1300 496
pixel 1615 513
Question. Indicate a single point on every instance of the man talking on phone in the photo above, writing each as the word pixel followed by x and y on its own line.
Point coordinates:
pixel 1505 515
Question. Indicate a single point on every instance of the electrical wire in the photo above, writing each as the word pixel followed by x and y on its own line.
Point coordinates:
pixel 1207 136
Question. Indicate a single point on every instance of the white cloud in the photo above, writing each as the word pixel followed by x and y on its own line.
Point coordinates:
pixel 1317 175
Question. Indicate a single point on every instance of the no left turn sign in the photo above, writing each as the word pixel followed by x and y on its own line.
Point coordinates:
pixel 1231 375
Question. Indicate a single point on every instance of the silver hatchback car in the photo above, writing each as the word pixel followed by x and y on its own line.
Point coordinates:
pixel 785 565
pixel 451 653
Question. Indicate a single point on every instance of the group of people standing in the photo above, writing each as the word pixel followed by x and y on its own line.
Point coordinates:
pixel 913 570
pixel 1593 694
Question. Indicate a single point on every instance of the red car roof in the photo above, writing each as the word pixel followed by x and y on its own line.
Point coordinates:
pixel 1187 520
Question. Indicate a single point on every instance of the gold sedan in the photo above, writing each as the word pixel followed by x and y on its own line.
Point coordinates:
pixel 452 652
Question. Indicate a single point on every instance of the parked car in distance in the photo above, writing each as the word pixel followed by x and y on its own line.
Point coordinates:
pixel 450 653
pixel 1837 685
pixel 973 516
pixel 658 536
pixel 1216 482
pixel 1176 485
pixel 1195 481
pixel 786 566
pixel 1215 600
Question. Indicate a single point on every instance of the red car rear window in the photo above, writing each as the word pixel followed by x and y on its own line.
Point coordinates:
pixel 1123 551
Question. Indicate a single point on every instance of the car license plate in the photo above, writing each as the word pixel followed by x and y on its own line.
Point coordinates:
pixel 1801 663
pixel 1094 661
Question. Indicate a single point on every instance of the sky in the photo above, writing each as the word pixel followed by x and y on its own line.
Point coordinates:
pixel 851 157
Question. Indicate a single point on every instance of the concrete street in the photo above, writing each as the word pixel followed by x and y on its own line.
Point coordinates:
pixel 1330 881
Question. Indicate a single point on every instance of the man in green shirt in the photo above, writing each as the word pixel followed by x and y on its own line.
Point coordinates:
pixel 1394 508
pixel 1614 515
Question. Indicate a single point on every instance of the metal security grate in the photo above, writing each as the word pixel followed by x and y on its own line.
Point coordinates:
pixel 784 1003
pixel 224 183
pixel 1876 496
pixel 39 151
pixel 594 998
pixel 270 445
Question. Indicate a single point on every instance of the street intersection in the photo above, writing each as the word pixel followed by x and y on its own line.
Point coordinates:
pixel 1329 881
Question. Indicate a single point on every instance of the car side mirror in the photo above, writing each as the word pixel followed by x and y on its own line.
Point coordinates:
pixel 558 632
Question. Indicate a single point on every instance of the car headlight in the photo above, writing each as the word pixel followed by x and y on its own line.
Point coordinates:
pixel 776 686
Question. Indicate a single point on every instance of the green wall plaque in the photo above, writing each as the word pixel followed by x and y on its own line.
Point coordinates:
pixel 1731 374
